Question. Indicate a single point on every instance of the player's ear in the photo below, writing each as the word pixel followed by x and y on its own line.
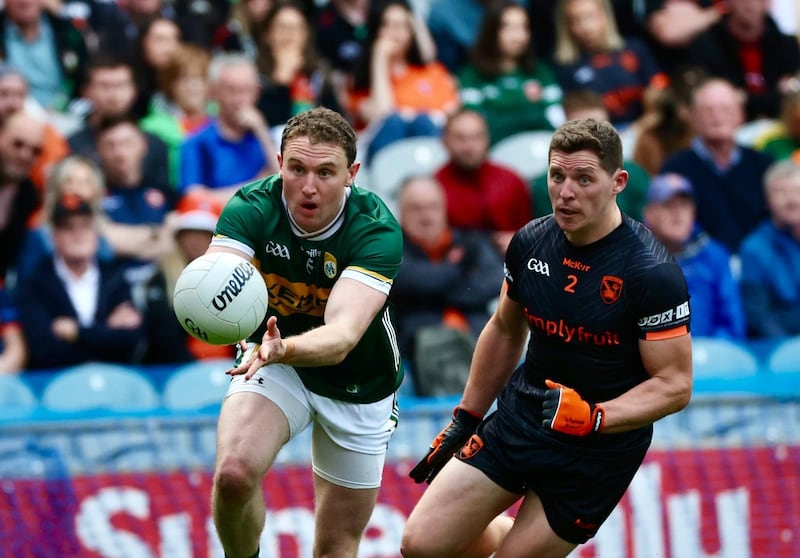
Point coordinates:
pixel 620 181
pixel 352 172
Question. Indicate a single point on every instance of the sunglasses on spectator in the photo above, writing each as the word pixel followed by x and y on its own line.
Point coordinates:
pixel 19 144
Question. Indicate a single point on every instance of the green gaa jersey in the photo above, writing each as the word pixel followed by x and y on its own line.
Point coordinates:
pixel 363 243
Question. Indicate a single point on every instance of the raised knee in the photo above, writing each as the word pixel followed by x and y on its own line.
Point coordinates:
pixel 415 544
pixel 234 479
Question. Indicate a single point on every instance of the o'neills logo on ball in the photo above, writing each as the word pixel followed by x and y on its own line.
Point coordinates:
pixel 240 276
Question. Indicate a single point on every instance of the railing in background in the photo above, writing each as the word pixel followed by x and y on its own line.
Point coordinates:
pixel 722 478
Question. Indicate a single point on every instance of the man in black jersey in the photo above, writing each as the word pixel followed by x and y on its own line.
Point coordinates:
pixel 607 309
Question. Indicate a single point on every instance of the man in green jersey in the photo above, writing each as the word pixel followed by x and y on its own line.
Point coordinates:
pixel 328 252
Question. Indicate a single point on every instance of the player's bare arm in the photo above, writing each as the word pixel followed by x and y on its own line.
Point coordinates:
pixel 668 390
pixel 345 324
pixel 497 353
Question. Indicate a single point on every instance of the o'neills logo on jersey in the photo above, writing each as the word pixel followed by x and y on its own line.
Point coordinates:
pixel 569 334
pixel 242 273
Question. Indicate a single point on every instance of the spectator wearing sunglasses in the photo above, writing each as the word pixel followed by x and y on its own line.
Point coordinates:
pixel 21 142
pixel 14 97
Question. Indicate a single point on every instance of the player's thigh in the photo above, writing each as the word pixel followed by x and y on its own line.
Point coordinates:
pixel 458 505
pixel 252 429
pixel 531 535
pixel 260 415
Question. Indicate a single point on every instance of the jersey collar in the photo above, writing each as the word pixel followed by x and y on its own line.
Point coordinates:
pixel 323 233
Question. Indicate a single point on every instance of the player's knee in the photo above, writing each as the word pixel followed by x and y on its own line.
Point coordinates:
pixel 416 544
pixel 235 480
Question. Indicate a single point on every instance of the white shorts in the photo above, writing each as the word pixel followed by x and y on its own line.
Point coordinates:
pixel 349 439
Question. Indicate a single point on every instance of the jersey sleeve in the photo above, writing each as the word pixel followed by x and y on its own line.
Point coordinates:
pixel 511 265
pixel 663 310
pixel 377 255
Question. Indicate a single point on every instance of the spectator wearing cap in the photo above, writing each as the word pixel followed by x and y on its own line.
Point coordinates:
pixel 21 138
pixel 771 258
pixel 194 224
pixel 76 308
pixel 716 303
pixel 81 176
pixel 72 175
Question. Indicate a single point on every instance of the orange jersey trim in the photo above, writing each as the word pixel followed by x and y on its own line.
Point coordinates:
pixel 666 334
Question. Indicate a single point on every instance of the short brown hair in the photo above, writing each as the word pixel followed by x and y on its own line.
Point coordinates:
pixel 590 135
pixel 582 99
pixel 322 125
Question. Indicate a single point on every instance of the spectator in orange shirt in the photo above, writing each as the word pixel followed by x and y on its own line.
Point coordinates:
pixel 13 94
pixel 399 91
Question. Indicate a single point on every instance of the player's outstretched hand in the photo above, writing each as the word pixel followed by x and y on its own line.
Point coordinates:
pixel 451 439
pixel 565 410
pixel 271 349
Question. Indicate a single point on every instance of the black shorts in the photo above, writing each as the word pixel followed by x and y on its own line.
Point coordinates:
pixel 579 486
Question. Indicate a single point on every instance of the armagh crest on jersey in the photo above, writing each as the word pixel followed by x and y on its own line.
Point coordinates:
pixel 364 243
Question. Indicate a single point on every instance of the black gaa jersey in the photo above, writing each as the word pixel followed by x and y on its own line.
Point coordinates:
pixel 589 306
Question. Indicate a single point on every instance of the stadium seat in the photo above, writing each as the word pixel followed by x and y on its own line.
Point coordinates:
pixel 402 159
pixel 198 385
pixel 785 358
pixel 717 358
pixel 723 368
pixel 16 397
pixel 526 153
pixel 99 385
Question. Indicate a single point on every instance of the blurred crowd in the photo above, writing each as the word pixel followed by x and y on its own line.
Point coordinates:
pixel 126 125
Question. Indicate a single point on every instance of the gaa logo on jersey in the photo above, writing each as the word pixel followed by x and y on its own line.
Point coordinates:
pixel 329 265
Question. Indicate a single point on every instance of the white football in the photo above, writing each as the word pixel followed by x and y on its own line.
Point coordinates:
pixel 220 298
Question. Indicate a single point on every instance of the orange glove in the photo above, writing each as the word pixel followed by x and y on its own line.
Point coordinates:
pixel 565 411
pixel 451 439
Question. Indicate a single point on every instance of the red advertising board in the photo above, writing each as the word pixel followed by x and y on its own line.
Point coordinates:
pixel 721 503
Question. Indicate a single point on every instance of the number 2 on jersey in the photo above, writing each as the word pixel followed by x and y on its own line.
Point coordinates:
pixel 572 280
